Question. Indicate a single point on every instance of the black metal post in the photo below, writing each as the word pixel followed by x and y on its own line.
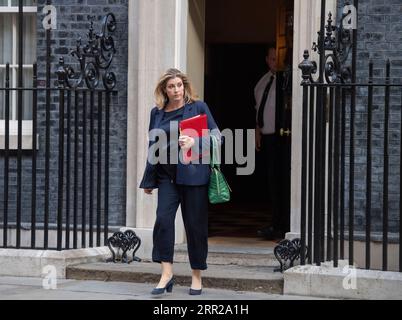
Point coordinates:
pixel 47 140
pixel 20 97
pixel 99 167
pixel 352 146
pixel 307 67
pixel 34 146
pixel 336 175
pixel 68 170
pixel 91 171
pixel 304 176
pixel 318 194
pixel 351 177
pixel 317 180
pixel 369 164
pixel 107 128
pixel 76 169
pixel 310 174
pixel 84 164
pixel 6 157
pixel 61 172
pixel 330 171
pixel 386 171
pixel 343 167
pixel 323 170
pixel 400 193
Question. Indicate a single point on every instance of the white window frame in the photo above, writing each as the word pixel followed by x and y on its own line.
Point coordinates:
pixel 26 124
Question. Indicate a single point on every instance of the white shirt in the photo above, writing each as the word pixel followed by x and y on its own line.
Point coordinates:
pixel 270 105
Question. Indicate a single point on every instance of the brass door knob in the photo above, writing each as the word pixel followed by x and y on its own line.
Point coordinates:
pixel 284 132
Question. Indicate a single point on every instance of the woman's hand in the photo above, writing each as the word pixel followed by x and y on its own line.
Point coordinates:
pixel 186 142
pixel 148 191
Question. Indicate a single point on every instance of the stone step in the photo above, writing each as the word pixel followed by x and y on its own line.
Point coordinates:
pixel 231 277
pixel 215 258
pixel 223 255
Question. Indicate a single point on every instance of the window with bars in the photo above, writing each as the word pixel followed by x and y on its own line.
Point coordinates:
pixel 9 46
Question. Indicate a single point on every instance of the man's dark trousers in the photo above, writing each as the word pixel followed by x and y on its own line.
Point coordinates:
pixel 270 162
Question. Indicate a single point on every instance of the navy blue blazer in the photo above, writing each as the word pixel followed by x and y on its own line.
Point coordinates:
pixel 187 174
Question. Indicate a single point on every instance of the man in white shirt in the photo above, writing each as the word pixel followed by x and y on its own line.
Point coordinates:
pixel 267 128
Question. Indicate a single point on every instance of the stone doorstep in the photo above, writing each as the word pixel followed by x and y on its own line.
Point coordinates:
pixel 227 258
pixel 239 278
pixel 233 255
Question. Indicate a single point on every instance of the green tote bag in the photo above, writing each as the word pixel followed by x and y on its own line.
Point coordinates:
pixel 218 189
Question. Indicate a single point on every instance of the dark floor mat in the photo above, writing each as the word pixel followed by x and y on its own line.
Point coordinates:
pixel 244 220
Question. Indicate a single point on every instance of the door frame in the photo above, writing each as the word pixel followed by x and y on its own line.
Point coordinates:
pixel 145 65
pixel 307 20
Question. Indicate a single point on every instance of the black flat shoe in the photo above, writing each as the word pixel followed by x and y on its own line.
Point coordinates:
pixel 194 292
pixel 168 288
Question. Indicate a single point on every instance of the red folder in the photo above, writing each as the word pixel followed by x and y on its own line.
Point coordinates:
pixel 194 127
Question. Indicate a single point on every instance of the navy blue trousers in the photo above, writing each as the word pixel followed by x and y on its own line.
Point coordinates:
pixel 194 207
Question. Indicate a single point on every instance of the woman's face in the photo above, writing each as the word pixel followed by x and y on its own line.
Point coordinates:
pixel 175 90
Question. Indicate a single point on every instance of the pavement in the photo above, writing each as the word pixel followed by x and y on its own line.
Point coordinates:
pixel 21 288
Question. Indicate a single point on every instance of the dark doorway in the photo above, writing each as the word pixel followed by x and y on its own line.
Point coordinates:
pixel 235 61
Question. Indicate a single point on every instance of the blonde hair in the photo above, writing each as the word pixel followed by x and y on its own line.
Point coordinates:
pixel 160 91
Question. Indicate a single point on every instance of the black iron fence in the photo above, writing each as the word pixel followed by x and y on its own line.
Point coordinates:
pixel 332 106
pixel 82 152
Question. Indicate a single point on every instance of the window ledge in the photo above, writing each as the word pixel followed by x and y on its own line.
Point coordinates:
pixel 15 9
pixel 27 137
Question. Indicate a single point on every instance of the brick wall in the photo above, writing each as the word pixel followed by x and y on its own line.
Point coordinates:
pixel 379 39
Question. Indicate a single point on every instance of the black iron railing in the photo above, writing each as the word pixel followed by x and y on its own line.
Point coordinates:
pixel 329 116
pixel 77 151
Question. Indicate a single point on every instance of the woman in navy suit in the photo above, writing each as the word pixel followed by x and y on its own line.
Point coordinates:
pixel 178 182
